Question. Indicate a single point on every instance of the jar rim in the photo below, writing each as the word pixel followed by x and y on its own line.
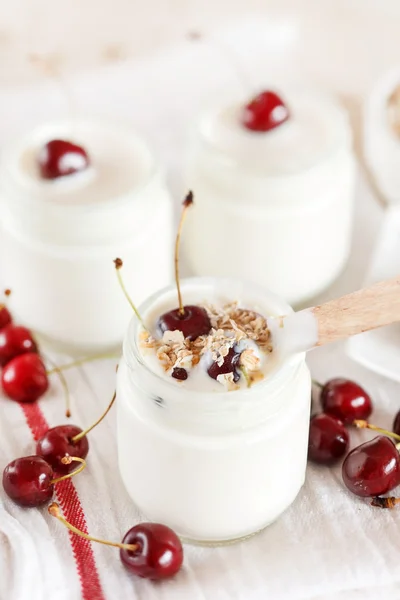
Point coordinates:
pixel 63 222
pixel 131 195
pixel 287 368
pixel 198 129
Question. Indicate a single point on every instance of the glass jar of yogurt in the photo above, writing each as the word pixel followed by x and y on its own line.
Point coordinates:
pixel 59 236
pixel 275 206
pixel 215 462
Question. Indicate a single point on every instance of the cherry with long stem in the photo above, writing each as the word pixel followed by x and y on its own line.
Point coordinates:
pixel 193 321
pixel 149 550
pixel 64 440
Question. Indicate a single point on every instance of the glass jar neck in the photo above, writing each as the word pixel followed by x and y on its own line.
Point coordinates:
pixel 197 411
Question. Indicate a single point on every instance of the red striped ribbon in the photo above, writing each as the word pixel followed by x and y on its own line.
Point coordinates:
pixel 72 509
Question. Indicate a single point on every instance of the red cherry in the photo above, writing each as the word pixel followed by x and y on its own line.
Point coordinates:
pixel 60 157
pixel 346 400
pixel 264 112
pixel 193 323
pixel 396 424
pixel 15 340
pixel 159 554
pixel 28 481
pixel 24 378
pixel 5 317
pixel 229 365
pixel 373 468
pixel 57 443
pixel 328 439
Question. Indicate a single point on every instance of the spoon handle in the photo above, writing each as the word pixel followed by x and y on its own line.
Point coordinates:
pixel 366 309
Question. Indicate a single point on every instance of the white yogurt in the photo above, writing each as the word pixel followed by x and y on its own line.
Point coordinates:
pixel 273 207
pixel 60 236
pixel 214 465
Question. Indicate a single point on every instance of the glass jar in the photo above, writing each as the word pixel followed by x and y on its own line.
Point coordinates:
pixel 59 237
pixel 273 207
pixel 216 467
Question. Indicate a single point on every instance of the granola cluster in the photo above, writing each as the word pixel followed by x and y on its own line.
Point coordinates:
pixel 230 325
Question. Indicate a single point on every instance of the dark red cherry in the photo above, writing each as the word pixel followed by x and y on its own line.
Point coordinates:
pixel 15 340
pixel 159 554
pixel 328 439
pixel 396 424
pixel 24 378
pixel 373 468
pixel 60 157
pixel 28 481
pixel 346 400
pixel 264 112
pixel 5 317
pixel 57 443
pixel 229 365
pixel 193 323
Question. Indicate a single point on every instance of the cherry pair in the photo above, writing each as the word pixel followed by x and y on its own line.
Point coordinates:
pixel 24 376
pixel 343 401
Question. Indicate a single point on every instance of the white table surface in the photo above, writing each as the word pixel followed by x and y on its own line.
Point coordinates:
pixel 329 545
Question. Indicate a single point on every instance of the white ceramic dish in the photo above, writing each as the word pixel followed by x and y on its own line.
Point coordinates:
pixel 379 350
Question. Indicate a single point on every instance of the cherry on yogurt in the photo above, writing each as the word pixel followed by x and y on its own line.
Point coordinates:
pixel 264 112
pixel 191 320
pixel 58 158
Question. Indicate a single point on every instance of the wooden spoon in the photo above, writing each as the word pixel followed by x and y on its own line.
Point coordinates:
pixel 366 309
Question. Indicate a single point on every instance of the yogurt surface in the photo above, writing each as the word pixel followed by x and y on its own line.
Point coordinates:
pixel 315 129
pixel 235 327
pixel 119 163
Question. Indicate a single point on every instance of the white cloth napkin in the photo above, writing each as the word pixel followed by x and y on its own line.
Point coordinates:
pixel 329 545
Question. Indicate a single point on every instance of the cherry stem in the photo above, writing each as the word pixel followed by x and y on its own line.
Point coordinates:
pixel 54 511
pixel 361 424
pixel 64 384
pixel 81 361
pixel 82 434
pixel 67 460
pixel 317 383
pixel 118 264
pixel 389 502
pixel 188 201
